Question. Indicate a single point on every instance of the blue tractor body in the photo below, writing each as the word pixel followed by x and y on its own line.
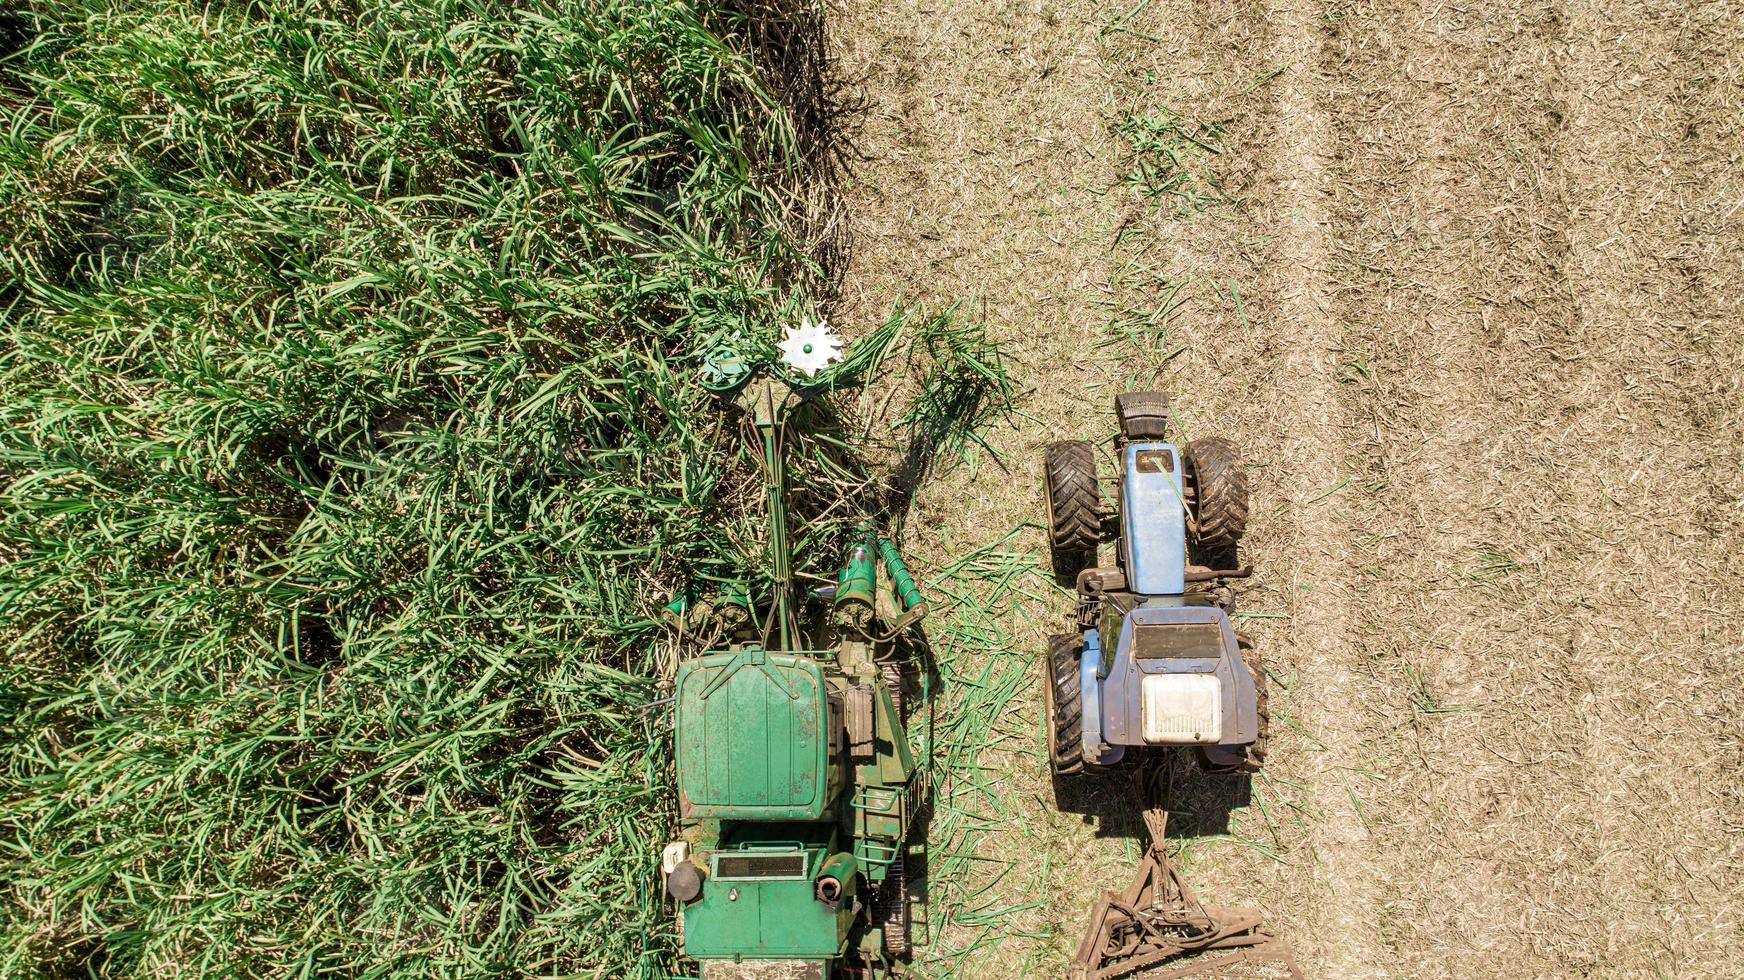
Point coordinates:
pixel 1155 660
pixel 1153 518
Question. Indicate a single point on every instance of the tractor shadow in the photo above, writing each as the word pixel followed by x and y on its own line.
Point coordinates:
pixel 1213 556
pixel 1199 803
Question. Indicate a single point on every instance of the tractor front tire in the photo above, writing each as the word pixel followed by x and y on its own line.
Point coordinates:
pixel 1063 704
pixel 1074 506
pixel 1218 488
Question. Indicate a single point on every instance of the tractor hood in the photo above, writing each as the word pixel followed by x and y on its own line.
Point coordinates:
pixel 1153 518
pixel 756 737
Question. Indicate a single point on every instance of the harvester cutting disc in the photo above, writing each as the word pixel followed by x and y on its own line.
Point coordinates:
pixel 728 363
pixel 810 347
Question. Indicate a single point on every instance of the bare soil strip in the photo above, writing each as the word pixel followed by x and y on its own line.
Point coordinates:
pixel 1343 923
pixel 1473 311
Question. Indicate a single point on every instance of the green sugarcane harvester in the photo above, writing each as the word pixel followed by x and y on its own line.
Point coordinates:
pixel 795 777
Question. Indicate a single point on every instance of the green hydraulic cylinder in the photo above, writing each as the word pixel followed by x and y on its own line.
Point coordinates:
pixel 733 606
pixel 730 607
pixel 856 585
pixel 677 611
pixel 906 590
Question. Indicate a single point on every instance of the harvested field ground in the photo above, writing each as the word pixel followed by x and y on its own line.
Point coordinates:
pixel 1464 281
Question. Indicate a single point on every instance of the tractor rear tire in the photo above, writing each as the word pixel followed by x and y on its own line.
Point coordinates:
pixel 1244 760
pixel 1063 704
pixel 1256 669
pixel 1074 506
pixel 1217 486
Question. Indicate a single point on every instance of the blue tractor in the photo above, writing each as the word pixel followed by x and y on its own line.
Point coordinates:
pixel 1153 660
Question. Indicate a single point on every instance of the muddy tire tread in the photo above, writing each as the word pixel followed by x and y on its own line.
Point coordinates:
pixel 1065 716
pixel 1250 657
pixel 1220 505
pixel 1074 504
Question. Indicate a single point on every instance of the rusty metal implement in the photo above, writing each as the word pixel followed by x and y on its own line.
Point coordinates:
pixel 1157 930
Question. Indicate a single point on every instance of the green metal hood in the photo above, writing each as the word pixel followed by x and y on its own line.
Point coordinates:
pixel 754 737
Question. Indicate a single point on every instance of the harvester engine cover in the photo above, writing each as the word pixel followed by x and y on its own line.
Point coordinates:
pixel 758 737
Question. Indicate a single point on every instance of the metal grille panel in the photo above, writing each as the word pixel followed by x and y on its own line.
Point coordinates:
pixel 1178 641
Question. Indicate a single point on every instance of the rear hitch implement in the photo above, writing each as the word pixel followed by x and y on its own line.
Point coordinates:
pixel 1158 930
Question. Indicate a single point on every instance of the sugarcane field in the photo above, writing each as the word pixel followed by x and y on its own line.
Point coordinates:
pixel 839 490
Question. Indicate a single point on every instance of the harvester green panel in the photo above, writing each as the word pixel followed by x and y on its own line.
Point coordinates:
pixel 753 737
pixel 766 920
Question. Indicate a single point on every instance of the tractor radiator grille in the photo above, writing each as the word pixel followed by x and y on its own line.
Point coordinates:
pixel 1178 641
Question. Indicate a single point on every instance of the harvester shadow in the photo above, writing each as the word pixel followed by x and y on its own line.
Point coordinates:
pixel 789 42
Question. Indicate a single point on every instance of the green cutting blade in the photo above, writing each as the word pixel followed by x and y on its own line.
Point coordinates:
pixel 729 362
